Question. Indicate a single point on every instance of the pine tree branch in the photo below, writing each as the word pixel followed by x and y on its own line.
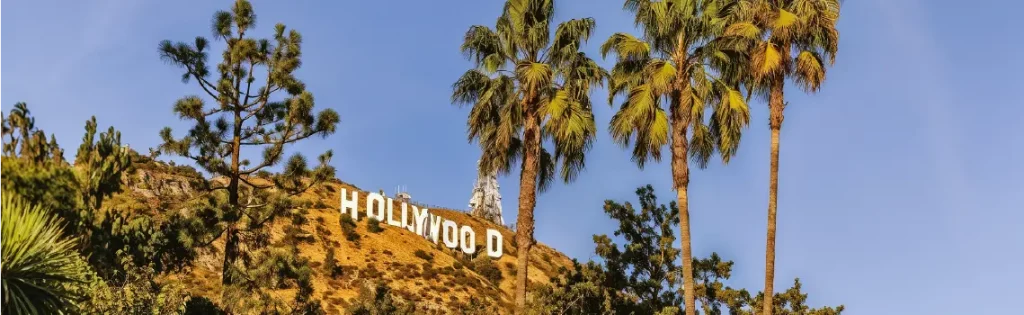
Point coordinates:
pixel 248 85
pixel 202 81
pixel 247 182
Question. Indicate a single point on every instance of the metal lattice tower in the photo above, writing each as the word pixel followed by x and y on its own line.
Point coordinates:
pixel 486 200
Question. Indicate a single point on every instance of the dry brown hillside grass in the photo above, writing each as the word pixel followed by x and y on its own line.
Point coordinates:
pixel 442 284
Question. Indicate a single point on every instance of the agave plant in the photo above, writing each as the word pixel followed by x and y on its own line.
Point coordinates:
pixel 38 262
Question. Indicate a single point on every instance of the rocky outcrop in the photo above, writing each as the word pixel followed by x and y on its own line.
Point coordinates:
pixel 152 184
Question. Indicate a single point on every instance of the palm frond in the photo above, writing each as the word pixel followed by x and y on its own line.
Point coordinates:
pixel 38 262
pixel 809 72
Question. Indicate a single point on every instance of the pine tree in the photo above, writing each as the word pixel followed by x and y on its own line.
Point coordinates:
pixel 22 139
pixel 100 164
pixel 244 116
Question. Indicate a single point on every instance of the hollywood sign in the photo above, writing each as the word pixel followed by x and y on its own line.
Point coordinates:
pixel 432 227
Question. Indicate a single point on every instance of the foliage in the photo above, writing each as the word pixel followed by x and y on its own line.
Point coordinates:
pixel 645 267
pixel 348 228
pixel 48 185
pixel 486 267
pixel 331 267
pixel 21 138
pixel 530 84
pixel 478 306
pixel 787 39
pixel 278 268
pixel 373 225
pixel 40 265
pixel 422 254
pixel 641 277
pixel 582 290
pixel 376 299
pixel 137 293
pixel 244 117
pixel 683 62
pixel 100 164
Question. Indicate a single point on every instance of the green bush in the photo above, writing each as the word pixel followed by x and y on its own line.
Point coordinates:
pixel 348 227
pixel 486 268
pixel 331 267
pixel 422 254
pixel 373 225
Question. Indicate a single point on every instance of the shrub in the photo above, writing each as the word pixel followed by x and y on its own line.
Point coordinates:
pixel 378 298
pixel 486 268
pixel 373 225
pixel 422 254
pixel 429 273
pixel 348 227
pixel 457 265
pixel 331 267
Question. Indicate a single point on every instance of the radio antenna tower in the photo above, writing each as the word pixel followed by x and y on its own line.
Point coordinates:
pixel 485 203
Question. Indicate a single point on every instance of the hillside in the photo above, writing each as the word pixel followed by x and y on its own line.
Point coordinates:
pixel 441 282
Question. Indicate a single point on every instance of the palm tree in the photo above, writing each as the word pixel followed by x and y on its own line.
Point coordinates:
pixel 38 263
pixel 792 39
pixel 529 87
pixel 681 63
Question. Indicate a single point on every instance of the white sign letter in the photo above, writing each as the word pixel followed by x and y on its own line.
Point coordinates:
pixel 494 243
pixel 450 231
pixel 350 205
pixel 411 226
pixel 468 238
pixel 391 214
pixel 435 227
pixel 421 219
pixel 375 206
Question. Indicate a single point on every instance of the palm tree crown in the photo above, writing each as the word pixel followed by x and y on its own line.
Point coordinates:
pixel 791 39
pixel 39 262
pixel 684 63
pixel 521 70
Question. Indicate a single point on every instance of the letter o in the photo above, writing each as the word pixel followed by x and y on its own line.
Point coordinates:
pixel 450 231
pixel 468 239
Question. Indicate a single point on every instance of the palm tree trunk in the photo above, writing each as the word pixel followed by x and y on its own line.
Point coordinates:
pixel 681 170
pixel 776 105
pixel 681 179
pixel 527 201
pixel 684 239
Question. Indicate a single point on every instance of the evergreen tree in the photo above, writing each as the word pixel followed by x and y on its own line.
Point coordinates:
pixel 645 267
pixel 22 139
pixel 100 164
pixel 245 116
pixel 642 277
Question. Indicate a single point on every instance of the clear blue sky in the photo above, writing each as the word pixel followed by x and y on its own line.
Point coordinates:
pixel 901 182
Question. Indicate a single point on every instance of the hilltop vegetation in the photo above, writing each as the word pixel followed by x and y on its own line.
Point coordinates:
pixel 431 276
pixel 243 229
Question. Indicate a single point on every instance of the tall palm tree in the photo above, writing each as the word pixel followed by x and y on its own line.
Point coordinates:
pixel 682 63
pixel 530 86
pixel 37 261
pixel 793 39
